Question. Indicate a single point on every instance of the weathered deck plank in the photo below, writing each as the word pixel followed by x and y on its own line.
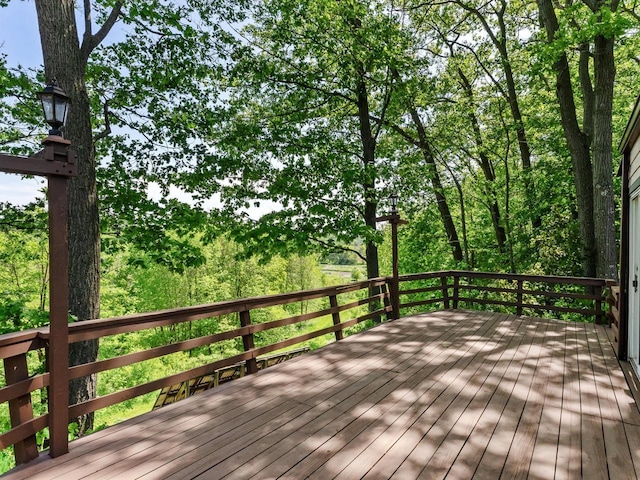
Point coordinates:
pixel 545 450
pixel 451 394
pixel 459 434
pixel 569 458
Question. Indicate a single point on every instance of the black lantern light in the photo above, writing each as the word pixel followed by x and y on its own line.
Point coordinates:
pixel 393 198
pixel 55 105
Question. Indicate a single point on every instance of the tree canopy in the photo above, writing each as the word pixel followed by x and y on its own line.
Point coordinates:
pixel 483 116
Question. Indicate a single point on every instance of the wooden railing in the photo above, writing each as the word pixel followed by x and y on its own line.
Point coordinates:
pixel 521 294
pixel 561 297
pixel 20 383
pixel 614 299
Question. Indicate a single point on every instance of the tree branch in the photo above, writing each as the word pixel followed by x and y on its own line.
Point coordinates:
pixel 399 130
pixel 385 105
pixel 107 124
pixel 88 28
pixel 485 69
pixel 334 247
pixel 90 42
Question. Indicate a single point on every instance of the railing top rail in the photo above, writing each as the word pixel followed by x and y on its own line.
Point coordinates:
pixel 512 276
pixel 92 328
pixel 220 308
pixel 35 338
pixel 24 336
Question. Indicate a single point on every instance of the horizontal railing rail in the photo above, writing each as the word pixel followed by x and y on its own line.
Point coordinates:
pixel 369 299
pixel 518 293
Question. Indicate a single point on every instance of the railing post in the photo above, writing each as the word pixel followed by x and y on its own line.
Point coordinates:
pixel 445 292
pixel 395 285
pixel 456 290
pixel 395 298
pixel 385 289
pixel 247 341
pixel 20 409
pixel 335 315
pixel 600 316
pixel 58 349
pixel 519 295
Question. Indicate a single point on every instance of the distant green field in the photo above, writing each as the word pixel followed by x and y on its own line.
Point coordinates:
pixel 345 271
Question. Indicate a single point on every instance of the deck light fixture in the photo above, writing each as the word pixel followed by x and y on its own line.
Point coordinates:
pixel 57 162
pixel 393 198
pixel 55 105
pixel 394 219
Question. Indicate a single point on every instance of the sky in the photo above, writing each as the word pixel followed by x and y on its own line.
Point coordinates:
pixel 20 42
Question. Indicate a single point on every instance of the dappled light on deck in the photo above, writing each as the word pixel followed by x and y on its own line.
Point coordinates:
pixel 449 394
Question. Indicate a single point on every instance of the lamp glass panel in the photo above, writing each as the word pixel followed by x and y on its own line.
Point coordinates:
pixel 61 110
pixel 48 107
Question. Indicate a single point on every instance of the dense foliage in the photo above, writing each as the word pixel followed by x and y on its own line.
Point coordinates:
pixel 274 131
pixel 134 282
pixel 315 111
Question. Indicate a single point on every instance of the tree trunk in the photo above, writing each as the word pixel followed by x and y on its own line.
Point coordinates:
pixel 369 185
pixel 587 90
pixel 603 205
pixel 485 165
pixel 523 143
pixel 577 143
pixel 443 207
pixel 64 62
pixel 463 215
pixel 436 183
pixel 499 40
pixel 507 213
pixel 514 106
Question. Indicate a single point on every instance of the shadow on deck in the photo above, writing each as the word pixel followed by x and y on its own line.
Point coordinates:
pixel 449 394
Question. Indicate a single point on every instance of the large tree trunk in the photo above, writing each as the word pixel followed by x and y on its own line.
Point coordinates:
pixel 436 183
pixel 369 185
pixel 64 62
pixel 603 205
pixel 485 165
pixel 499 40
pixel 427 154
pixel 463 215
pixel 577 142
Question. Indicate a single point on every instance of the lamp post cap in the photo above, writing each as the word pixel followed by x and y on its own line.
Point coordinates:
pixel 55 139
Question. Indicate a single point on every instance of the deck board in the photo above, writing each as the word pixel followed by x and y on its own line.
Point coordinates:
pixel 569 458
pixel 545 450
pixel 460 432
pixel 495 455
pixel 466 463
pixel 450 394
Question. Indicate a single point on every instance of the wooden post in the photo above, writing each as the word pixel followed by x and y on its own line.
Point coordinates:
pixel 57 163
pixel 600 317
pixel 247 341
pixel 456 290
pixel 395 284
pixel 20 409
pixel 386 290
pixel 58 351
pixel 335 314
pixel 445 292
pixel 519 295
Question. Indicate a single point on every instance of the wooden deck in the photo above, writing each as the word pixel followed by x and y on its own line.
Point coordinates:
pixel 452 394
